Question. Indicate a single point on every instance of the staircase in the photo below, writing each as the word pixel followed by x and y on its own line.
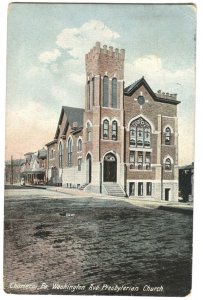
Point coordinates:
pixel 82 187
pixel 114 189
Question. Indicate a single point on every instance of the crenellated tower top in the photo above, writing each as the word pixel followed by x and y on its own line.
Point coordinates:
pixel 105 61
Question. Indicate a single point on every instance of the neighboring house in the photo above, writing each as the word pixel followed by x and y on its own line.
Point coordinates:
pixel 33 168
pixel 125 141
pixel 12 171
pixel 186 182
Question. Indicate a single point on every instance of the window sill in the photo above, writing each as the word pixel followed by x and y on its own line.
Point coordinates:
pixel 107 107
pixel 109 140
pixel 140 149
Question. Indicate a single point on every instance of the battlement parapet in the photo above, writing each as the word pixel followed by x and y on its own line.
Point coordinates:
pixel 98 50
pixel 167 96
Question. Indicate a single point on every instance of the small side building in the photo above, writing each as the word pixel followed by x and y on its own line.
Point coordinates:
pixel 33 168
pixel 186 182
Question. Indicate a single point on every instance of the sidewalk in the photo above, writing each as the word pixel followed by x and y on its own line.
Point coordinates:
pixel 145 203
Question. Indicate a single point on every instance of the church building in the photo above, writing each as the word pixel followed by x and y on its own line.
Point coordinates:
pixel 124 142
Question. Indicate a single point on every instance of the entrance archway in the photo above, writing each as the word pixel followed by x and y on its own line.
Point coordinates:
pixel 89 168
pixel 110 168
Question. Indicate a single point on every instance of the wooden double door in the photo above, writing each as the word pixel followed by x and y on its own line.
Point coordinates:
pixel 110 168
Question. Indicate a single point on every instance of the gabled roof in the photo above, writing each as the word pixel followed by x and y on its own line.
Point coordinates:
pixel 165 98
pixel 51 143
pixel 73 114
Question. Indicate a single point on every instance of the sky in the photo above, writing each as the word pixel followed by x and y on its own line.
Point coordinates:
pixel 46 47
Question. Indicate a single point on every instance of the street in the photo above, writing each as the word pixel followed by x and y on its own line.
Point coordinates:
pixel 61 244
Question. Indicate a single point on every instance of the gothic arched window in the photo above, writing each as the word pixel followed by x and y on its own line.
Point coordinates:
pixel 140 133
pixel 88 95
pixel 168 164
pixel 114 130
pixel 60 155
pixel 93 91
pixel 88 132
pixel 70 152
pixel 114 93
pixel 167 136
pixel 79 144
pixel 106 91
pixel 105 129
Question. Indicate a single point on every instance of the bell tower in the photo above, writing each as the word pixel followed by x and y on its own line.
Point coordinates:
pixel 103 100
pixel 104 77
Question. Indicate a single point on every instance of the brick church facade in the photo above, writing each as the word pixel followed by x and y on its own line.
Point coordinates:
pixel 125 141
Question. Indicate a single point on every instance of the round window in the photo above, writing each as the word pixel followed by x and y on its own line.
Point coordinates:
pixel 141 100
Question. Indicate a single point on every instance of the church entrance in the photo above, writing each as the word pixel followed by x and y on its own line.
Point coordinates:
pixel 89 168
pixel 110 168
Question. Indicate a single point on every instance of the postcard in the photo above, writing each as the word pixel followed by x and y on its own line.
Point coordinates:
pixel 99 169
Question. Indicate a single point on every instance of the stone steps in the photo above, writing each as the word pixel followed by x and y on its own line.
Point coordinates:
pixel 114 189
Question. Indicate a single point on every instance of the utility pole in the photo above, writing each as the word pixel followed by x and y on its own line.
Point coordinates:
pixel 11 169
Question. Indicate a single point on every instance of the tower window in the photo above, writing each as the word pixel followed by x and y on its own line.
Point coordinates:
pixel 93 91
pixel 88 132
pixel 106 91
pixel 168 164
pixel 114 93
pixel 88 95
pixel 114 130
pixel 167 136
pixel 105 129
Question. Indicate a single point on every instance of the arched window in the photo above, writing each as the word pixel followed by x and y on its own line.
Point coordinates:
pixel 168 164
pixel 106 91
pixel 114 130
pixel 88 132
pixel 140 133
pixel 93 91
pixel 51 153
pixel 114 93
pixel 79 144
pixel 60 155
pixel 105 129
pixel 88 95
pixel 70 152
pixel 167 136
